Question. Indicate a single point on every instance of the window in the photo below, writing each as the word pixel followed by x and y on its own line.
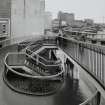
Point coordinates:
pixel 3 31
pixel 4 25
pixel 3 28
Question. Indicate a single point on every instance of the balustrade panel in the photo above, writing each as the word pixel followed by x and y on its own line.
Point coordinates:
pixel 91 57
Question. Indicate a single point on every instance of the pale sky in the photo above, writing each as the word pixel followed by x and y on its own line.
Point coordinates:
pixel 94 9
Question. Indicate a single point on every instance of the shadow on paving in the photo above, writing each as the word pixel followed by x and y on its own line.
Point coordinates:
pixel 70 93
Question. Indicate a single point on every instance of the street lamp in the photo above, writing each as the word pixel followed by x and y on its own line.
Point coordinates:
pixel 24 8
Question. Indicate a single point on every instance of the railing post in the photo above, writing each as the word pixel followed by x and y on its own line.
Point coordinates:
pixel 98 98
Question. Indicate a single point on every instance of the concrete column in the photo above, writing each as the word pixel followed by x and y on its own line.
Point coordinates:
pixel 49 54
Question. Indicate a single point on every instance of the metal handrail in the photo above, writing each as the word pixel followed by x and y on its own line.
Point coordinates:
pixel 88 56
pixel 16 38
pixel 25 75
pixel 30 45
pixel 58 60
pixel 27 48
pixel 93 46
pixel 36 60
pixel 43 63
pixel 89 99
pixel 88 33
pixel 48 61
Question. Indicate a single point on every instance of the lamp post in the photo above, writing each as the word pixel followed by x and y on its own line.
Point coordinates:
pixel 60 23
pixel 24 8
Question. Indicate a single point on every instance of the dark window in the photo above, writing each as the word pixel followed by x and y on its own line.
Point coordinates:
pixel 94 41
pixel 102 42
pixel 3 31
pixel 4 25
pixel 0 45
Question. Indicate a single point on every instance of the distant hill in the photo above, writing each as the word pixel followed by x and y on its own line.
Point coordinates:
pixel 4 8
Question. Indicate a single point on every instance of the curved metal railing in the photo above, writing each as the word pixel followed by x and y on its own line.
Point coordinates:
pixel 16 62
pixel 89 56
pixel 16 40
pixel 33 47
pixel 89 101
pixel 30 49
pixel 46 62
pixel 35 81
pixel 45 40
pixel 93 100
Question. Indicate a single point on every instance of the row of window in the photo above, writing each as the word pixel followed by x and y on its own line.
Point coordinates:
pixel 3 28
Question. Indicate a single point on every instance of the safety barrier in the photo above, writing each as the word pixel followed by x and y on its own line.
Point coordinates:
pixel 17 40
pixel 33 79
pixel 42 59
pixel 94 100
pixel 89 56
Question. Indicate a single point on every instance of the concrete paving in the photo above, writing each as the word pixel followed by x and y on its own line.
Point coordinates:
pixel 73 92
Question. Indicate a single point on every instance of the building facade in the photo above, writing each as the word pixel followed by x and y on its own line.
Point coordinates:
pixel 27 17
pixel 4 28
pixel 48 20
pixel 67 17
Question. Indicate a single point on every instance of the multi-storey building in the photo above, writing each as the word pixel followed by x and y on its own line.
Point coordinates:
pixel 48 20
pixel 4 27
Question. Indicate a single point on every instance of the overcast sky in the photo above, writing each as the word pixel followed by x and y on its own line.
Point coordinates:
pixel 94 9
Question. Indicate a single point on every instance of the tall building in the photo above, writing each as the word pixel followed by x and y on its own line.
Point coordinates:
pixel 5 8
pixel 4 20
pixel 48 20
pixel 67 17
pixel 27 17
pixel 89 21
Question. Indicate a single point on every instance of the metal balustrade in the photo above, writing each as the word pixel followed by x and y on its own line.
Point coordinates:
pixel 38 44
pixel 17 40
pixel 28 44
pixel 20 69
pixel 94 100
pixel 89 56
pixel 32 48
pixel 23 45
pixel 22 59
pixel 42 59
